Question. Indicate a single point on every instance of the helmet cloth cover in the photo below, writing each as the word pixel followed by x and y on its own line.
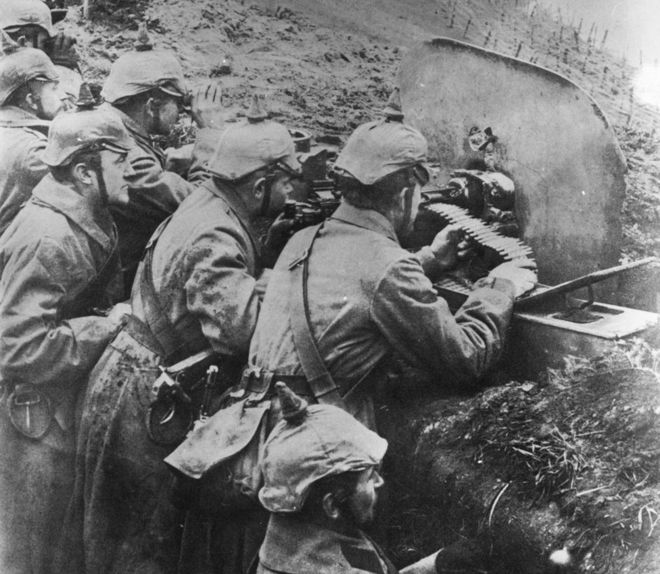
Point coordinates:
pixel 21 66
pixel 72 132
pixel 377 149
pixel 140 71
pixel 248 146
pixel 327 442
pixel 17 13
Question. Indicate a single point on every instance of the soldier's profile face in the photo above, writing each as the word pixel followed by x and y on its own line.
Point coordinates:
pixel 166 115
pixel 280 190
pixel 362 502
pixel 47 98
pixel 115 167
pixel 35 36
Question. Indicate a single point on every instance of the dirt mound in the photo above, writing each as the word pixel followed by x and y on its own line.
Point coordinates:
pixel 330 66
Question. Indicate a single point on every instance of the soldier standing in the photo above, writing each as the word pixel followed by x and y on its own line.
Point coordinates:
pixel 57 263
pixel 146 90
pixel 344 295
pixel 365 297
pixel 198 287
pixel 28 92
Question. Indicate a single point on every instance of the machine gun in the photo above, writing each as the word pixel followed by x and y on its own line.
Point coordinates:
pixel 551 320
pixel 321 196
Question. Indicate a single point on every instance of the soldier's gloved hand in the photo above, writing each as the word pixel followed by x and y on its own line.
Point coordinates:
pixel 118 313
pixel 521 272
pixel 61 49
pixel 206 106
pixel 279 233
pixel 449 246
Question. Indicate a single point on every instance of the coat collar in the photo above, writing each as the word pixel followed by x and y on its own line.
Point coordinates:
pixel 94 220
pixel 237 206
pixel 366 218
pixel 297 546
pixel 14 117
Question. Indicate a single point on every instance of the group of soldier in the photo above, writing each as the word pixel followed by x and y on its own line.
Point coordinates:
pixel 113 267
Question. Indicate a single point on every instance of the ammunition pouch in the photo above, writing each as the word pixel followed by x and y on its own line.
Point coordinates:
pixel 223 455
pixel 29 410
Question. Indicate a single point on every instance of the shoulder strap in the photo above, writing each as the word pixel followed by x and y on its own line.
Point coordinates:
pixel 155 317
pixel 319 379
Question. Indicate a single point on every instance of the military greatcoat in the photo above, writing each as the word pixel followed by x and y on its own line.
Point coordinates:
pixel 369 297
pixel 57 262
pixel 154 195
pixel 22 144
pixel 204 271
pixel 296 546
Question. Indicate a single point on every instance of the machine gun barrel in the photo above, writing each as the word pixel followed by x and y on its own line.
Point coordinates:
pixel 542 293
pixel 438 195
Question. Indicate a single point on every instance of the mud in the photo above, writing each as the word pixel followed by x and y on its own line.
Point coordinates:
pixel 591 480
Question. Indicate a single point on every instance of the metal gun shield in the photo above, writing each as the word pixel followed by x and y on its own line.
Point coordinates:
pixel 550 138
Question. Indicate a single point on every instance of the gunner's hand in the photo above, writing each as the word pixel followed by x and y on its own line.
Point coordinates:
pixel 62 51
pixel 279 233
pixel 521 272
pixel 206 106
pixel 448 246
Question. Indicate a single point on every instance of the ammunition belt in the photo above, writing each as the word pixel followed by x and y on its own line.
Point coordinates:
pixel 509 248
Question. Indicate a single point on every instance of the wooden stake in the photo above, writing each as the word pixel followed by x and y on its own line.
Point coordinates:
pixel 602 43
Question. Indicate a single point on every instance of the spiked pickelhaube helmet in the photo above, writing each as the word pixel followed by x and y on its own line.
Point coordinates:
pixel 310 443
pixel 144 69
pixel 84 129
pixel 253 144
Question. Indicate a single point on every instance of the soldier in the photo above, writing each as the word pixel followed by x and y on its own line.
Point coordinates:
pixel 146 90
pixel 365 297
pixel 32 20
pixel 198 287
pixel 28 92
pixel 321 481
pixel 334 311
pixel 57 264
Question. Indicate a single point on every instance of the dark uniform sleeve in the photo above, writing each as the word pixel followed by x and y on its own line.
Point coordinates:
pixel 205 144
pixel 153 190
pixel 36 345
pixel 222 293
pixel 420 326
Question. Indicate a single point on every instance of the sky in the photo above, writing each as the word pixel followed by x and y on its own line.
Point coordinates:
pixel 633 30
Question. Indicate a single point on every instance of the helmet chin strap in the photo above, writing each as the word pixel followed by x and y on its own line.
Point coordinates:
pixel 265 199
pixel 406 222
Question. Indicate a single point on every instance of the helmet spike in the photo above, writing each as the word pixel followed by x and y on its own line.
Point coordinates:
pixel 256 113
pixel 85 99
pixel 392 109
pixel 143 42
pixel 294 408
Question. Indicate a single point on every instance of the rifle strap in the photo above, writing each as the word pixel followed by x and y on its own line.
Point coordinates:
pixel 321 383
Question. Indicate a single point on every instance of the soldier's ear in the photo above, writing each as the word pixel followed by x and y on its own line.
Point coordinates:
pixel 81 172
pixel 31 102
pixel 330 508
pixel 259 188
